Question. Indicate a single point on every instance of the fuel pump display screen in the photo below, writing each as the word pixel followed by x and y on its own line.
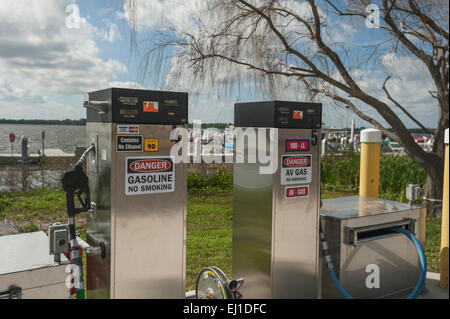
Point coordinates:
pixel 149 175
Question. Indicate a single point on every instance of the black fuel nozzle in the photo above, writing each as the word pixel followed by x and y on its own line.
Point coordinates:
pixel 76 182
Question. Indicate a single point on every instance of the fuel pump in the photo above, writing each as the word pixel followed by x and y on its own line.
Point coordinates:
pixel 140 194
pixel 276 214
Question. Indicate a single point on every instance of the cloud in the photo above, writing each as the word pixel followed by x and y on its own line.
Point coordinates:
pixel 169 14
pixel 41 59
pixel 112 34
pixel 127 85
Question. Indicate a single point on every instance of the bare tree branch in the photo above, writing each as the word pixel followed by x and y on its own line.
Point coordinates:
pixel 402 108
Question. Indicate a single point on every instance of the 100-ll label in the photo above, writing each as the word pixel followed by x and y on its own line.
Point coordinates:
pixel 149 175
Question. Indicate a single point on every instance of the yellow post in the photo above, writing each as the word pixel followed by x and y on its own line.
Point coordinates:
pixel 370 163
pixel 445 220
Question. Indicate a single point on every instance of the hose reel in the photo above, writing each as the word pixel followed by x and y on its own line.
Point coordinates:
pixel 212 283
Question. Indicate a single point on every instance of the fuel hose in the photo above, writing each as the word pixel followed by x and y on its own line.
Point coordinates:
pixel 72 181
pixel 423 263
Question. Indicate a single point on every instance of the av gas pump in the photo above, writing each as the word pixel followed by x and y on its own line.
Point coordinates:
pixel 276 215
pixel 138 194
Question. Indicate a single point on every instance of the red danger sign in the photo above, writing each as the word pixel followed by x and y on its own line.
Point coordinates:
pixel 12 137
pixel 297 161
pixel 298 145
pixel 297 191
pixel 153 165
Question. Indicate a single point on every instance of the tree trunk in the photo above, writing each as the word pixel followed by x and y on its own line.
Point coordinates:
pixel 434 189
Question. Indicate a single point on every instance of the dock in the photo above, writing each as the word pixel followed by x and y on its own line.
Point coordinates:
pixel 53 153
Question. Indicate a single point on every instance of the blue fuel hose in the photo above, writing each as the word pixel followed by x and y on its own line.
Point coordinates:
pixel 423 264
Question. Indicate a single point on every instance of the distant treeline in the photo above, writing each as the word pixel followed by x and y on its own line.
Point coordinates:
pixel 45 122
pixel 359 129
pixel 220 126
pixel 190 125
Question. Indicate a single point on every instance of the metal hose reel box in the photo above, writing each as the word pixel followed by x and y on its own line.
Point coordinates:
pixel 370 260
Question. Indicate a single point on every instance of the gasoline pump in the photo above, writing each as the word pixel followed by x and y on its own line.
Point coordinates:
pixel 286 245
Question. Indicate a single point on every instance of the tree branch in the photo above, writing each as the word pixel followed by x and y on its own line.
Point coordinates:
pixel 402 108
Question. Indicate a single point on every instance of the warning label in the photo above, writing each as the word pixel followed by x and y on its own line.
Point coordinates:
pixel 297 192
pixel 149 175
pixel 150 106
pixel 296 169
pixel 298 115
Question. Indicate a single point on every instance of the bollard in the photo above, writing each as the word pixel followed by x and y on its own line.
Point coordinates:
pixel 24 142
pixel 445 219
pixel 370 162
pixel 43 143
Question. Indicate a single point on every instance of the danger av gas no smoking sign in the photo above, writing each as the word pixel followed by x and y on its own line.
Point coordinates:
pixel 296 169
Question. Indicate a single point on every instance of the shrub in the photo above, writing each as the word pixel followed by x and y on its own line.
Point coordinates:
pixel 221 181
pixel 341 173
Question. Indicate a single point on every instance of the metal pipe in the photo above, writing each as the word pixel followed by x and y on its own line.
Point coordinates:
pixel 99 107
pixel 91 251
pixel 445 221
pixel 24 143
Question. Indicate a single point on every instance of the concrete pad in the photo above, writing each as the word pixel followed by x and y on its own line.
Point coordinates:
pixel 432 290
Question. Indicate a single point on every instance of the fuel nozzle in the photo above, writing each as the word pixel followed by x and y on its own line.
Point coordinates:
pixel 76 182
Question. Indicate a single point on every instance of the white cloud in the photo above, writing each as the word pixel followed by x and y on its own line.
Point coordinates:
pixel 112 34
pixel 127 85
pixel 174 14
pixel 41 58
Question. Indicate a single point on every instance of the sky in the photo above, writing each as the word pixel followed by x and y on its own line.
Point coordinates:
pixel 50 59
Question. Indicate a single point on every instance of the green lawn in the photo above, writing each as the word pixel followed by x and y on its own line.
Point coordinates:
pixel 209 224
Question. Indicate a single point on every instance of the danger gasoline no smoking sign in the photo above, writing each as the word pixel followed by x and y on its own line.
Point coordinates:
pixel 149 175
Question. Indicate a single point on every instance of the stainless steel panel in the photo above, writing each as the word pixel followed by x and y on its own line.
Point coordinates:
pixel 26 263
pixel 98 272
pixel 395 255
pixel 145 234
pixel 296 237
pixel 252 227
pixel 275 240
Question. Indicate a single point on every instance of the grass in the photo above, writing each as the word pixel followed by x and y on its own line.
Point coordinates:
pixel 433 243
pixel 37 205
pixel 209 224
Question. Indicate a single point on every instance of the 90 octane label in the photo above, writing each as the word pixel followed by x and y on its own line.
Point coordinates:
pixel 149 175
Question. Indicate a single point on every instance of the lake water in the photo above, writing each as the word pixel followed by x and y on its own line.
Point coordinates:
pixel 64 137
